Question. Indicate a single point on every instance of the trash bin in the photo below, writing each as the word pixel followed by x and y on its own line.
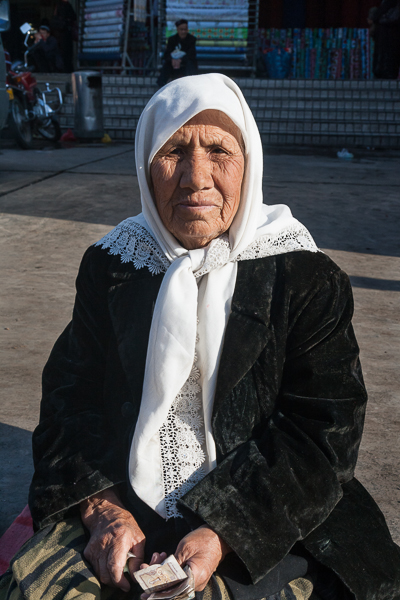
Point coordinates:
pixel 88 104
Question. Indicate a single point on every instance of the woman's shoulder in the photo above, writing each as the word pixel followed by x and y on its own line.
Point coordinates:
pixel 309 274
pixel 304 271
pixel 309 264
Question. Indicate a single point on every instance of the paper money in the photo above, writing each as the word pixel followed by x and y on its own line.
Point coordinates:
pixel 182 591
pixel 160 577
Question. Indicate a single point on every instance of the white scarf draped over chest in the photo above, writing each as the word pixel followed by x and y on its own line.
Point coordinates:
pixel 194 301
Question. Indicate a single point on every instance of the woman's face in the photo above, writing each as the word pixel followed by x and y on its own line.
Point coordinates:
pixel 197 177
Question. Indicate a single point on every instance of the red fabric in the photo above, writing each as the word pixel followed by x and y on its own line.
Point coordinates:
pixel 15 536
pixel 68 136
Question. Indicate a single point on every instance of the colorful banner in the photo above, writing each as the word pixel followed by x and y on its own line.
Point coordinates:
pixel 343 53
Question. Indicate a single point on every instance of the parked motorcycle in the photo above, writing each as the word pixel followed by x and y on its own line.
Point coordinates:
pixel 32 112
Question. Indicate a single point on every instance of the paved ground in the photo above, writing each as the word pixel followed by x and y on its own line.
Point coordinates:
pixel 55 202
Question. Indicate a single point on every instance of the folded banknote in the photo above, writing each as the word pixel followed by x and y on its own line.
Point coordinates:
pixel 181 591
pixel 160 577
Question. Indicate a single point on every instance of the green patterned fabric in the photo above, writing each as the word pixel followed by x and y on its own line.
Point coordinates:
pixel 50 566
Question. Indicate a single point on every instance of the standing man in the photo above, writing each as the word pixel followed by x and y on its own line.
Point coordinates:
pixel 180 56
pixel 64 25
pixel 386 21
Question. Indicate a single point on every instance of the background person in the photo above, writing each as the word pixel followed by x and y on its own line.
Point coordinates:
pixel 64 24
pixel 386 60
pixel 45 54
pixel 182 41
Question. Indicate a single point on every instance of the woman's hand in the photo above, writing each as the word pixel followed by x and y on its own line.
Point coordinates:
pixel 113 533
pixel 203 550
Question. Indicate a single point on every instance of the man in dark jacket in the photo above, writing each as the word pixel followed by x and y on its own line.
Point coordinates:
pixel 386 20
pixel 45 54
pixel 181 42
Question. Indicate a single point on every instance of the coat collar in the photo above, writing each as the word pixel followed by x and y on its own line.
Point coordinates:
pixel 131 301
pixel 246 336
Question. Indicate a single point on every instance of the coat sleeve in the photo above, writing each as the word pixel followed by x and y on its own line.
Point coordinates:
pixel 72 453
pixel 191 55
pixel 274 489
pixel 170 48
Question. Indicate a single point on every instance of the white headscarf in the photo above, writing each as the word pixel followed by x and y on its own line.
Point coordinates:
pixel 257 230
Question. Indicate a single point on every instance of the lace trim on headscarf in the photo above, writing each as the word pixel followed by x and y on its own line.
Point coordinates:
pixel 133 243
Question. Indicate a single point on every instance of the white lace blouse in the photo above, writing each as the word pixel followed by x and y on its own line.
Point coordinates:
pixel 183 447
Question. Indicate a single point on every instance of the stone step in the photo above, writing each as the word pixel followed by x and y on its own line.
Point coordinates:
pixel 60 80
pixel 292 126
pixel 329 128
pixel 370 116
pixel 335 141
pixel 273 94
pixel 306 138
pixel 322 95
pixel 316 105
pixel 128 80
pixel 128 90
pixel 285 108
pixel 245 83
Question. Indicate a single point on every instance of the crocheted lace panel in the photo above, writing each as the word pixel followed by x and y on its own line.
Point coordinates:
pixel 182 443
pixel 182 435
pixel 133 243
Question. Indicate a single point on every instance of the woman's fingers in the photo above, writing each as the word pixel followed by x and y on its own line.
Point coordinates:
pixel 116 563
pixel 135 564
pixel 203 550
pixel 158 558
pixel 103 572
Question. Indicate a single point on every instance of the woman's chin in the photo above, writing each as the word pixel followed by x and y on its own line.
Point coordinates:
pixel 193 236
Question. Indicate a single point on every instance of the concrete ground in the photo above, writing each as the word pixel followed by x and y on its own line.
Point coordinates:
pixel 54 202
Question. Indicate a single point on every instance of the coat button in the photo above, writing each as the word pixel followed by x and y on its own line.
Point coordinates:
pixel 127 409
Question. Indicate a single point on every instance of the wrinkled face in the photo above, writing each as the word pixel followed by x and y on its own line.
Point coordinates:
pixel 182 30
pixel 197 177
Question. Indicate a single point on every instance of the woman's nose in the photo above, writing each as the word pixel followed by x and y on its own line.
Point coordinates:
pixel 197 173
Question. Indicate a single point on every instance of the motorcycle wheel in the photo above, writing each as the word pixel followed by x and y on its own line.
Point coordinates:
pixel 20 124
pixel 50 129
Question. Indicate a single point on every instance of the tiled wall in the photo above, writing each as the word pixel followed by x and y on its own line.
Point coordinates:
pixel 315 112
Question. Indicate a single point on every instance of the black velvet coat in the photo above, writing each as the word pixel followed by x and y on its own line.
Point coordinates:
pixel 287 419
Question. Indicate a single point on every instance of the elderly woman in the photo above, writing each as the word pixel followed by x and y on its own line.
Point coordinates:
pixel 206 399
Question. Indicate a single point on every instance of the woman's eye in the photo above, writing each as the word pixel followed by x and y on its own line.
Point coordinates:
pixel 176 152
pixel 218 150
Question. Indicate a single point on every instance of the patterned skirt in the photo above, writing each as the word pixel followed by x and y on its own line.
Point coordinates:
pixel 51 566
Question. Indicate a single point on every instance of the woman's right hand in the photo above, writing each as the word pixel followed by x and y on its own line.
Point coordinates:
pixel 113 533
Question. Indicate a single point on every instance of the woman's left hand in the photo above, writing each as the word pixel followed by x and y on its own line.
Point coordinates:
pixel 203 550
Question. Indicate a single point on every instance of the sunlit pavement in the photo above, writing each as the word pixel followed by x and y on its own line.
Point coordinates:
pixel 54 202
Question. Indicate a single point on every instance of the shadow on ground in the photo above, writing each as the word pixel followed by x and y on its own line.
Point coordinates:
pixel 371 283
pixel 16 471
